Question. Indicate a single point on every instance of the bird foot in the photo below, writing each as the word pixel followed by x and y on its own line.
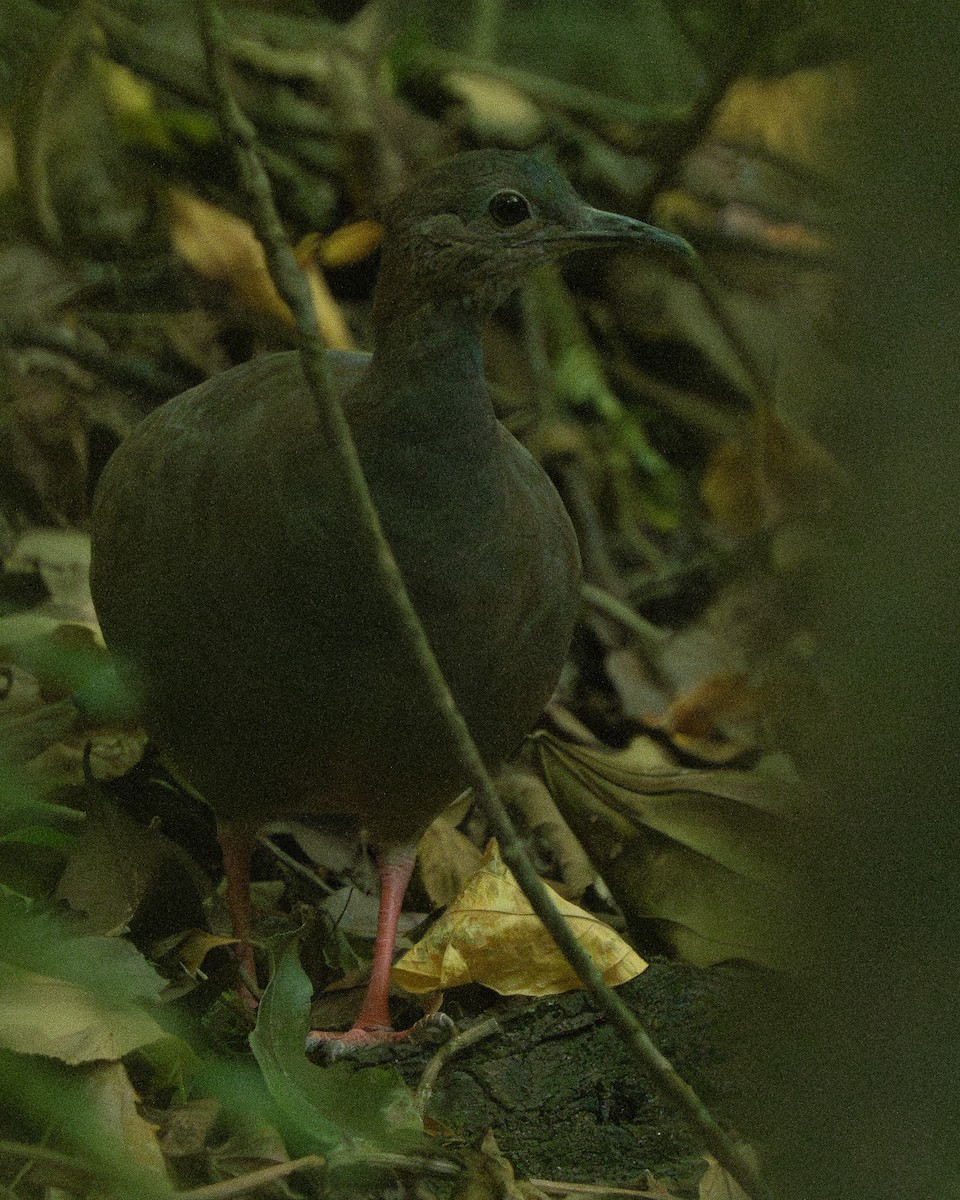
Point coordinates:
pixel 340 1044
pixel 435 1027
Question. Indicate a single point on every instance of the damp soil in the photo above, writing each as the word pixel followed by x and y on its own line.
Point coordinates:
pixel 565 1100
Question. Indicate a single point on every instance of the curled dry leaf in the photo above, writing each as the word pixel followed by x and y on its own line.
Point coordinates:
pixel 490 935
pixel 696 858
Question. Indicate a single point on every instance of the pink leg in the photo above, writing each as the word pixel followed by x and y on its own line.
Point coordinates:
pixel 394 868
pixel 237 846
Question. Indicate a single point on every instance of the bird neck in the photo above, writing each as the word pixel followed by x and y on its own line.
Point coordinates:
pixel 426 377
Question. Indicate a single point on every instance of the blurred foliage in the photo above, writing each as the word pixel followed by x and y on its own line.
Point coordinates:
pixel 584 46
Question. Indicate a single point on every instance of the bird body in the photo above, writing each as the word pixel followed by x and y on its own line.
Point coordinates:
pixel 273 668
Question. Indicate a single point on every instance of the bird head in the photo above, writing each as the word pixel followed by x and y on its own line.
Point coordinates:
pixel 470 230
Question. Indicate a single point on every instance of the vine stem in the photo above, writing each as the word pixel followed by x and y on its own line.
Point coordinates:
pixel 365 526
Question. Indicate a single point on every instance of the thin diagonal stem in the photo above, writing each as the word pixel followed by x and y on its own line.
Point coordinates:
pixel 365 524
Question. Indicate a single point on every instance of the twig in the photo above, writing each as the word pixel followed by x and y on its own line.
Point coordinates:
pixel 597 561
pixel 483 27
pixel 290 281
pixel 42 102
pixel 365 526
pixel 295 865
pixel 469 1037
pixel 119 369
pixel 252 1181
pixel 413 1164
pixel 713 298
pixel 560 1187
pixel 756 20
pixel 179 71
pixel 552 91
pixel 73 1175
pixel 53 1158
pixel 715 423
pixel 650 636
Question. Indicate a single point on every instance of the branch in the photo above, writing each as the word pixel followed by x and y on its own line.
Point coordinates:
pixel 39 110
pixel 252 1181
pixel 119 369
pixel 365 526
pixel 650 637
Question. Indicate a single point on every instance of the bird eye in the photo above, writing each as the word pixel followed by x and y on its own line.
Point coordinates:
pixel 508 208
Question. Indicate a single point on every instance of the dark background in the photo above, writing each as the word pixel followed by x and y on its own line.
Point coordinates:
pixel 873 1112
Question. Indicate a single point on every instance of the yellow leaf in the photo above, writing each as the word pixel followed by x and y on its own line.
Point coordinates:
pixel 446 858
pixel 347 245
pixel 196 945
pixel 796 117
pixel 223 247
pixel 127 94
pixel 497 111
pixel 40 1014
pixel 490 935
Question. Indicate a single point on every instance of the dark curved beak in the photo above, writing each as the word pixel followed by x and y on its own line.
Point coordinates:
pixel 598 226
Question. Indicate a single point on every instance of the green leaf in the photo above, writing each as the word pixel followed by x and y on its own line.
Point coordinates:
pixel 68 996
pixel 332 1108
pixel 41 1014
pixel 38 835
pixel 71 1108
pixel 37 941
